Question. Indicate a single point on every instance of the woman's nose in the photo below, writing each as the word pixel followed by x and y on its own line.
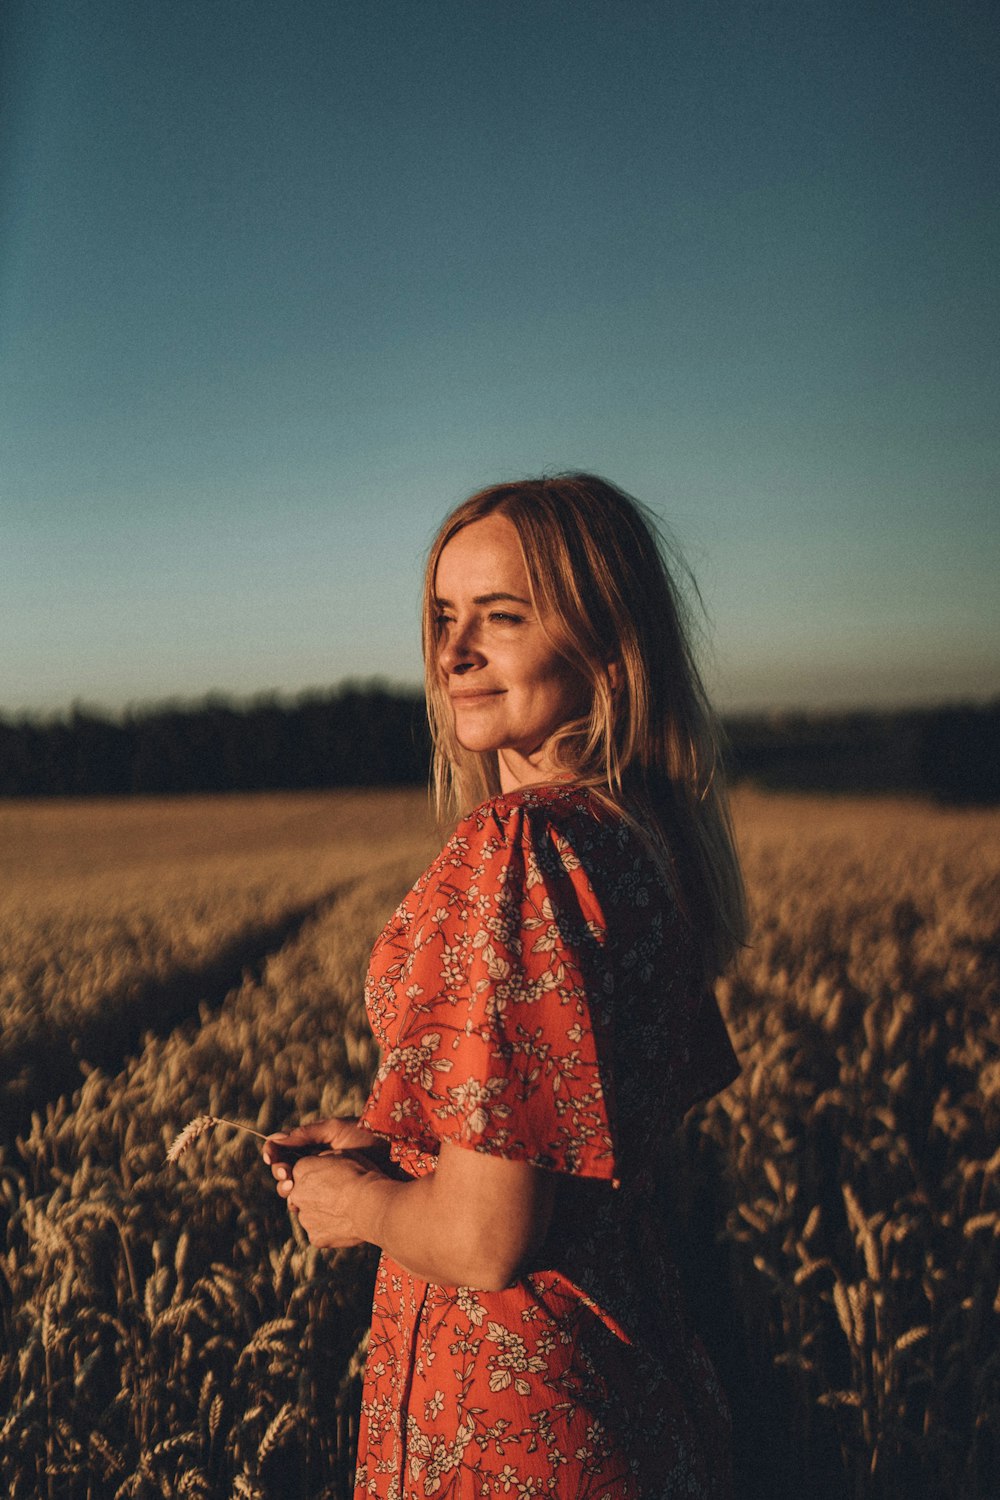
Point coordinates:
pixel 459 651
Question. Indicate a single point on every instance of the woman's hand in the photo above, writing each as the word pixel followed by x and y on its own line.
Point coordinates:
pixel 322 1192
pixel 283 1150
pixel 316 1166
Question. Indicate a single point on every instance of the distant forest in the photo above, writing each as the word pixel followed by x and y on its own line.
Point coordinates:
pixel 370 735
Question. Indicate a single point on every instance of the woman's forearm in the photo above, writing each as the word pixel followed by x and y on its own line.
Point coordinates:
pixel 405 1221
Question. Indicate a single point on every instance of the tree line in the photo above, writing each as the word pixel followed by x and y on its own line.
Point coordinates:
pixel 950 753
pixel 357 735
pixel 367 734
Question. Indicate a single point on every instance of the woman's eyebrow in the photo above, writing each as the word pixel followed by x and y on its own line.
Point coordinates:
pixel 486 599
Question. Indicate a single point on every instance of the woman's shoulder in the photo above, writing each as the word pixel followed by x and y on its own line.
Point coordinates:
pixel 557 811
pixel 531 836
pixel 557 827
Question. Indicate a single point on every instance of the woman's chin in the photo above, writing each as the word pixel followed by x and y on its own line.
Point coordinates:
pixel 475 737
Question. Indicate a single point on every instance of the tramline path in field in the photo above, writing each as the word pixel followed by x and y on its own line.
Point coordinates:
pixel 118 918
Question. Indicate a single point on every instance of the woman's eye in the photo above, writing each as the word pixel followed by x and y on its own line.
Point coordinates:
pixel 506 619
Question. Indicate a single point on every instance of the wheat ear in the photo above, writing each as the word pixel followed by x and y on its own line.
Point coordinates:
pixel 198 1126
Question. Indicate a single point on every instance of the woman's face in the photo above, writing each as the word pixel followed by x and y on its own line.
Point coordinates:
pixel 509 688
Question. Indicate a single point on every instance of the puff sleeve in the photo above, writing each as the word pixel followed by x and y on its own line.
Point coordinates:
pixel 491 994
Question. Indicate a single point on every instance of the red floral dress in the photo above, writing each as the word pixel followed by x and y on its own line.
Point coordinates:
pixel 534 997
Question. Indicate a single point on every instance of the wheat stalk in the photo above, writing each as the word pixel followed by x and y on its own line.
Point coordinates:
pixel 198 1126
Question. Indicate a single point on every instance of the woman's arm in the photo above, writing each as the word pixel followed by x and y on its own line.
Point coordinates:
pixel 475 1221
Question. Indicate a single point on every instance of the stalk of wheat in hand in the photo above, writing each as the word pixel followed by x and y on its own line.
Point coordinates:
pixel 198 1126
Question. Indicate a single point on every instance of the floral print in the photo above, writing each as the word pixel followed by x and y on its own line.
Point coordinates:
pixel 535 997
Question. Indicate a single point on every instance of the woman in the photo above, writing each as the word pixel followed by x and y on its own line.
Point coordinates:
pixel 542 999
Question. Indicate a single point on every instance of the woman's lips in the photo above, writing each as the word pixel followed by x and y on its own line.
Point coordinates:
pixel 476 697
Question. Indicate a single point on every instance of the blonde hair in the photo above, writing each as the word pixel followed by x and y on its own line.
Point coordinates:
pixel 650 744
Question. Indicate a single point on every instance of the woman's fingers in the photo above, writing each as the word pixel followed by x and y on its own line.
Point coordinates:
pixel 281 1150
pixel 282 1159
pixel 285 1147
pixel 340 1134
pixel 320 1197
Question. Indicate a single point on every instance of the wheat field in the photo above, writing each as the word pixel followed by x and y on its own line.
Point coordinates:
pixel 168 1332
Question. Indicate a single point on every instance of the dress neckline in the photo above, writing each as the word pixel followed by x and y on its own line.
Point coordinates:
pixel 540 792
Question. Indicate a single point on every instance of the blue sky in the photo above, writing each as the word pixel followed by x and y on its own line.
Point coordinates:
pixel 281 283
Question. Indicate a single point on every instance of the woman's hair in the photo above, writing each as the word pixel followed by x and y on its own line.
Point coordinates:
pixel 650 744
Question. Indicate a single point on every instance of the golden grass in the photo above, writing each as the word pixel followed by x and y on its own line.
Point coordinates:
pixel 119 915
pixel 168 1331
